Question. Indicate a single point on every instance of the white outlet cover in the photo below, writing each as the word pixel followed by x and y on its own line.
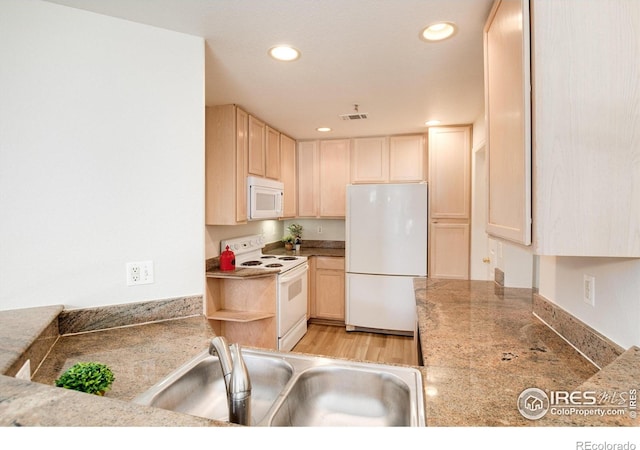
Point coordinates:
pixel 589 290
pixel 140 272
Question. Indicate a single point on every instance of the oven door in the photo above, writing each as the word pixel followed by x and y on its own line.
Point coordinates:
pixel 292 304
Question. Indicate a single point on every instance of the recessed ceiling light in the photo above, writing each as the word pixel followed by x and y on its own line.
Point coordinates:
pixel 323 129
pixel 284 53
pixel 438 31
pixel 431 123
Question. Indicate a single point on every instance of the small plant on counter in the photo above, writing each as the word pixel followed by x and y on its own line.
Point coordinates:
pixel 90 377
pixel 288 241
pixel 296 231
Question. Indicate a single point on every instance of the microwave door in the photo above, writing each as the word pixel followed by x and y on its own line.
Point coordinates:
pixel 266 203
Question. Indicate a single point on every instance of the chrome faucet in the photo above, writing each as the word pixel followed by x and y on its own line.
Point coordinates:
pixel 236 379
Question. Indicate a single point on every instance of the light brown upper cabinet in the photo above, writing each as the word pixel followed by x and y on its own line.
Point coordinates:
pixel 308 182
pixel 508 116
pixel 226 165
pixel 450 172
pixel 407 159
pixel 288 175
pixel 370 160
pixel 584 145
pixel 333 163
pixel 257 145
pixel 323 175
pixel 272 154
pixel 394 159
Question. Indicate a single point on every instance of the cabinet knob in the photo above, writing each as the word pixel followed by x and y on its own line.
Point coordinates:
pixel 486 260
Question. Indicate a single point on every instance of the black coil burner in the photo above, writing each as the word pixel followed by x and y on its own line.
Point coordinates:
pixel 274 265
pixel 251 263
pixel 288 258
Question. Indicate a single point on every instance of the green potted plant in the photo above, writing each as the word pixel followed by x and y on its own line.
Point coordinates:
pixel 90 377
pixel 296 231
pixel 288 242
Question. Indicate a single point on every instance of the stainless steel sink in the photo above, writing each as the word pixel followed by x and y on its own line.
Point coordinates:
pixel 339 395
pixel 197 388
pixel 291 389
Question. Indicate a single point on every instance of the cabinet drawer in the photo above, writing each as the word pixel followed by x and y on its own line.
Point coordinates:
pixel 330 262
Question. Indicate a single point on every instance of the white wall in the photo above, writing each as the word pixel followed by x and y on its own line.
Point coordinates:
pixel 320 229
pixel 101 157
pixel 478 269
pixel 616 313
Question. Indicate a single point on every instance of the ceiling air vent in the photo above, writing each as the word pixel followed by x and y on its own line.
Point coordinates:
pixel 354 115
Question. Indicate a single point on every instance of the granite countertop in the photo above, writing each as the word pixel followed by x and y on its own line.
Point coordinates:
pixel 139 356
pixel 482 347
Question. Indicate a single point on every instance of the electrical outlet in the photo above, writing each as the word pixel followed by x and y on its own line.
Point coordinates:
pixel 319 229
pixel 139 273
pixel 589 290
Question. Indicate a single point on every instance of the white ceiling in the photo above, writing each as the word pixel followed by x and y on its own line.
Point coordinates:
pixel 364 52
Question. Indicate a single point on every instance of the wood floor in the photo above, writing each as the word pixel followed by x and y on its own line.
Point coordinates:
pixel 335 341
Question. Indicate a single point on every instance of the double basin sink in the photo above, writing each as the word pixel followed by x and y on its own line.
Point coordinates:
pixel 290 389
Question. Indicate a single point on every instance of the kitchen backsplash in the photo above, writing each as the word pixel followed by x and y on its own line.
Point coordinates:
pixel 273 231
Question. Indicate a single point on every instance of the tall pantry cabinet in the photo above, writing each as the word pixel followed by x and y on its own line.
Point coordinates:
pixel 584 147
pixel 449 201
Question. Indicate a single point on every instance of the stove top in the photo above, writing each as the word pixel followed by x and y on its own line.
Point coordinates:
pixel 248 252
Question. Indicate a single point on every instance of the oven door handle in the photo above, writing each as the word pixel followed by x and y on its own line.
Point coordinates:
pixel 294 273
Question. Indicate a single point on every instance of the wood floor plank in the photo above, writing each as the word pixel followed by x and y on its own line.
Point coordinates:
pixel 336 341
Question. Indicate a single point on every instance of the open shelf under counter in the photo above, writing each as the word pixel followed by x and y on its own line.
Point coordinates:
pixel 243 308
pixel 229 315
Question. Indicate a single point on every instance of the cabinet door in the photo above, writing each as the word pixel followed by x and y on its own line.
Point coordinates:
pixel 586 128
pixel 508 116
pixel 449 250
pixel 272 154
pixel 449 172
pixel 288 175
pixel 406 159
pixel 308 179
pixel 257 136
pixel 242 150
pixel 333 160
pixel 370 160
pixel 329 282
pixel 226 165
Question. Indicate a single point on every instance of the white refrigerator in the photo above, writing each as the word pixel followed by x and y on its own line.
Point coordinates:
pixel 386 248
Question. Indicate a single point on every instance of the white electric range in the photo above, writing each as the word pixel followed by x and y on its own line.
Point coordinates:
pixel 291 302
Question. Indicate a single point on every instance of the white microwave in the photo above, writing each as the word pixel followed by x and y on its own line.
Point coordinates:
pixel 264 198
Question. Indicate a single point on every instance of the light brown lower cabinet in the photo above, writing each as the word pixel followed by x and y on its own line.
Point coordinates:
pixel 326 292
pixel 449 250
